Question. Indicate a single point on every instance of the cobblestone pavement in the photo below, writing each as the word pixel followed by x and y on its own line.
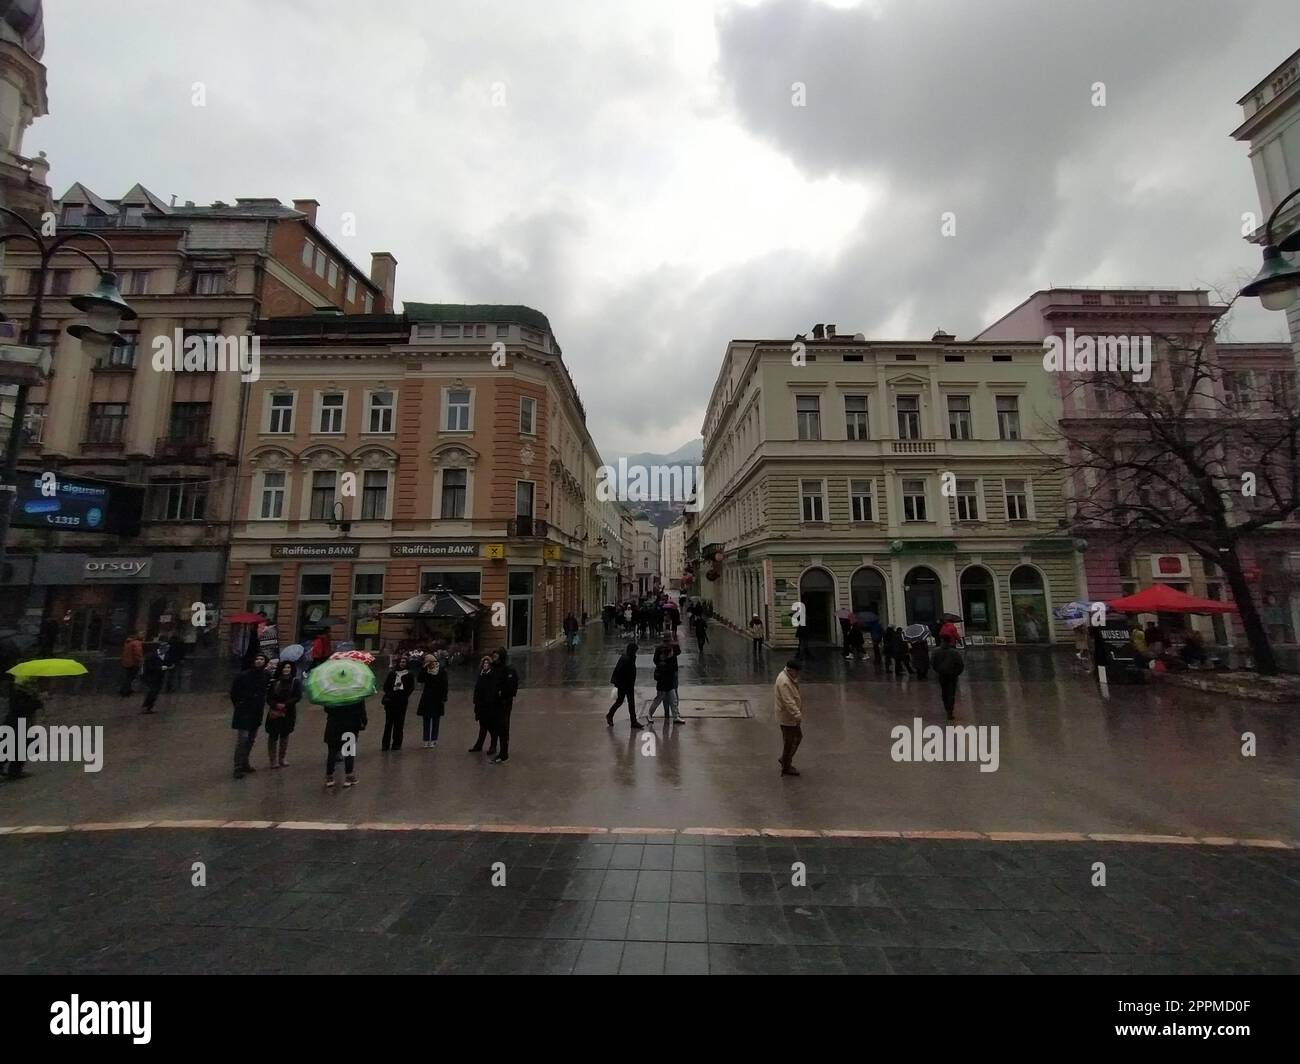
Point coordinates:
pixel 421 901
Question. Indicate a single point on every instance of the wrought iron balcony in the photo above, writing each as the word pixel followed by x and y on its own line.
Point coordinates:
pixel 526 528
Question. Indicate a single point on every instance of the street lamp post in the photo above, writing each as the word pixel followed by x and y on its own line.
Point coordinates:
pixel 1278 282
pixel 105 309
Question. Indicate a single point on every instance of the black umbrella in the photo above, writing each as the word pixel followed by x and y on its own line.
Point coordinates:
pixel 955 618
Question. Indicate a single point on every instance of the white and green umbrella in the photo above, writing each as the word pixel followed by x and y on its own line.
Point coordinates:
pixel 338 681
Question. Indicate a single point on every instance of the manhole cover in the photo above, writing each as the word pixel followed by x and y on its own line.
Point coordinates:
pixel 705 707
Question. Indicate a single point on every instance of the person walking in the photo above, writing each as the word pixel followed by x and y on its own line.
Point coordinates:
pixel 248 696
pixel 156 668
pixel 268 637
pixel 855 643
pixel 507 680
pixel 948 665
pixel 433 698
pixel 344 724
pixel 398 685
pixel 802 651
pixel 570 631
pixel 24 703
pixel 485 706
pixel 701 632
pixel 132 659
pixel 789 714
pixel 282 696
pixel 919 652
pixel 756 636
pixel 320 648
pixel 877 634
pixel 665 661
pixel 624 680
pixel 900 655
pixel 49 636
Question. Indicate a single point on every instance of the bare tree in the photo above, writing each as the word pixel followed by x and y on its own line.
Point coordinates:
pixel 1203 453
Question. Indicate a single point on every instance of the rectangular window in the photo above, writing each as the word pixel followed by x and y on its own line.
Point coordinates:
pixel 1017 492
pixel 264 594
pixel 968 508
pixel 959 421
pixel 374 495
pixel 352 290
pixel 189 422
pixel 107 422
pixel 461 581
pixel 1092 299
pixel 369 302
pixel 454 483
pixel 451 332
pixel 308 253
pixel 1101 395
pixel 909 417
pixel 1008 417
pixel 855 416
pixel 527 415
pixel 381 412
pixel 208 282
pixel 813 507
pixel 503 332
pixel 58 282
pixel 320 262
pixel 34 422
pixel 331 412
pixel 74 214
pixel 281 412
pixel 272 508
pixel 1237 388
pixel 457 419
pixel 914 500
pixel 135 282
pixel 123 355
pixel 860 499
pixel 179 501
pixel 333 274
pixel 808 411
pixel 1169 299
pixel 322 495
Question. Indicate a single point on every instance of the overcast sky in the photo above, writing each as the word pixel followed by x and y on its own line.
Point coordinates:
pixel 639 172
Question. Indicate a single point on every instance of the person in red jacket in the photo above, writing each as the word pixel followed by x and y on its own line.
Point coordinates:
pixel 320 647
pixel 132 659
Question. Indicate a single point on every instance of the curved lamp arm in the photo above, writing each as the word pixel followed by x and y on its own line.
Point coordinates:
pixel 1268 226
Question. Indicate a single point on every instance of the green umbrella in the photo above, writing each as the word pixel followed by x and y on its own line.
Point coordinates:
pixel 48 667
pixel 338 681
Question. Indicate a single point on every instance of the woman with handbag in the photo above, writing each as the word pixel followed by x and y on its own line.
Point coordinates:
pixel 433 698
pixel 398 685
pixel 281 712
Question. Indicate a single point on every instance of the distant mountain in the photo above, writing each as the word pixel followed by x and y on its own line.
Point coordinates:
pixel 690 453
pixel 662 514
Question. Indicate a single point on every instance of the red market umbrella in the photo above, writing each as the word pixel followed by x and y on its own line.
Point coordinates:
pixel 243 618
pixel 1160 598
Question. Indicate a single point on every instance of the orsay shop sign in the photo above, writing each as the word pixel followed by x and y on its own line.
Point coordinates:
pixel 117 568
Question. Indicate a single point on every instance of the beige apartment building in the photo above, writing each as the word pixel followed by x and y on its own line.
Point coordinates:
pixel 389 455
pixel 906 478
pixel 151 438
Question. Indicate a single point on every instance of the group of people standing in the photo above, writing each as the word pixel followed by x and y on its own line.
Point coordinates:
pixel 665 675
pixel 495 688
pixel 267 693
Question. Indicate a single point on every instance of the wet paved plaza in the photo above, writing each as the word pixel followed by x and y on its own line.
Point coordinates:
pixel 628 886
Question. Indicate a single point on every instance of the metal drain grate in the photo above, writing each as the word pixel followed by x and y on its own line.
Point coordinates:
pixel 705 707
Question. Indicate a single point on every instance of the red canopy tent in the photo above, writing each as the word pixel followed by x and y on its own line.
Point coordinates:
pixel 1160 598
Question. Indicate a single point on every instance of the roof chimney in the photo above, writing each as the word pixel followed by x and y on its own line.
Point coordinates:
pixel 819 332
pixel 830 332
pixel 307 207
pixel 383 271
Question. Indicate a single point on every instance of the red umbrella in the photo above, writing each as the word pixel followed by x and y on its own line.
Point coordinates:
pixel 244 618
pixel 1160 598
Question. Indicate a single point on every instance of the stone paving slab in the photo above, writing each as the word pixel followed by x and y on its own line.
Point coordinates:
pixel 357 901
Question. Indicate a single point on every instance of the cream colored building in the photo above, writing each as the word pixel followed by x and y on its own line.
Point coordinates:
pixel 906 478
pixel 672 554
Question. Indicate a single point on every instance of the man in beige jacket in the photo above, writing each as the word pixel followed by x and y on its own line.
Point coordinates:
pixel 789 714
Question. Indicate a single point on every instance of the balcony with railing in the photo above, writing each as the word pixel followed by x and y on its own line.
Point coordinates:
pixel 526 528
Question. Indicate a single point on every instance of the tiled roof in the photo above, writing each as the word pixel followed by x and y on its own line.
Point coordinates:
pixel 476 312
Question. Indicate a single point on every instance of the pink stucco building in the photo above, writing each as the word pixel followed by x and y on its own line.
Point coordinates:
pixel 1108 568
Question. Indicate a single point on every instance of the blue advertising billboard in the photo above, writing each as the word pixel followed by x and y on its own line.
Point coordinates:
pixel 74 504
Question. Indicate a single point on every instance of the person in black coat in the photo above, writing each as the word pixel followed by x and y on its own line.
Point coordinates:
pixel 344 724
pixel 248 696
pixel 507 687
pixel 24 703
pixel 920 655
pixel 701 631
pixel 624 680
pixel 398 685
pixel 854 642
pixel 433 698
pixel 948 665
pixel 282 696
pixel 157 666
pixel 485 706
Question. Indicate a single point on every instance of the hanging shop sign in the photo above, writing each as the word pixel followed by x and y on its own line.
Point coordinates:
pixel 494 551
pixel 316 550
pixel 551 554
pixel 435 549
